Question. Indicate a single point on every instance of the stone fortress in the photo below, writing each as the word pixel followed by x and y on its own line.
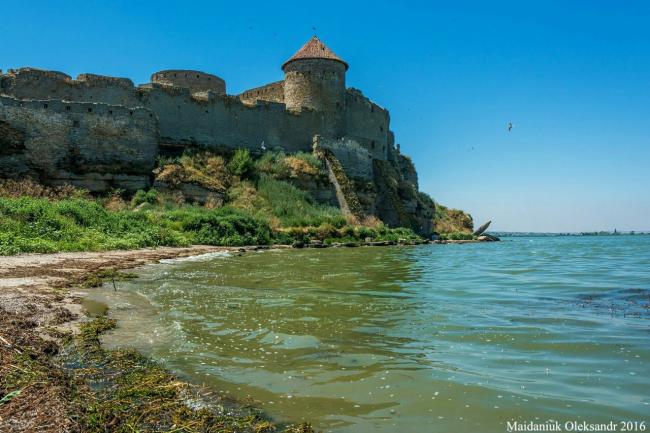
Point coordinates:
pixel 103 133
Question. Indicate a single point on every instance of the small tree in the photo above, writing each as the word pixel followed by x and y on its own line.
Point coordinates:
pixel 241 163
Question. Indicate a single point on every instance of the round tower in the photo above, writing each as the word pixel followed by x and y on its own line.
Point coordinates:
pixel 314 78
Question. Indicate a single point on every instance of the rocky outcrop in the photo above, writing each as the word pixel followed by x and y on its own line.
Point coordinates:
pixel 398 202
pixel 345 193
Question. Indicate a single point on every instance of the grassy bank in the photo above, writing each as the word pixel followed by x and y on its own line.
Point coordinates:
pixel 453 224
pixel 271 212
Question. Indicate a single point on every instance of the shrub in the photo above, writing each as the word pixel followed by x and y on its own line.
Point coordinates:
pixel 226 226
pixel 273 164
pixel 281 166
pixel 457 236
pixel 141 197
pixel 203 168
pixel 241 163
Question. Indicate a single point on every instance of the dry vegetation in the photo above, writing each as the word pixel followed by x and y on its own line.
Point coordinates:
pixel 448 221
pixel 30 188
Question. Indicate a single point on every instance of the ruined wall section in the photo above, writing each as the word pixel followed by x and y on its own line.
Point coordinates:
pixel 273 92
pixel 368 124
pixel 226 123
pixel 196 81
pixel 95 146
pixel 31 83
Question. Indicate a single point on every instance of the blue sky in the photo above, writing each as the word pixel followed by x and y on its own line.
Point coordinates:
pixel 573 77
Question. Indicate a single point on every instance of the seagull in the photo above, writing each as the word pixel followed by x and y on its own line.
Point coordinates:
pixel 510 126
pixel 263 146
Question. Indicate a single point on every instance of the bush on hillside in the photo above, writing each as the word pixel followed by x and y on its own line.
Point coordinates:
pixel 225 226
pixel 203 168
pixel 241 163
pixel 141 197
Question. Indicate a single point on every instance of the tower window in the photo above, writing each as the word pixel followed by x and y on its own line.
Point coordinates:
pixel 381 128
pixel 372 144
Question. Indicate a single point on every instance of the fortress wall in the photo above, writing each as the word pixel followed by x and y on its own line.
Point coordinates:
pixel 367 123
pixel 96 146
pixel 226 123
pixel 196 81
pixel 271 92
pixel 30 83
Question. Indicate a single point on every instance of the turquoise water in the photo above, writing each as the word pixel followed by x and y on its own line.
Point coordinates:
pixel 434 338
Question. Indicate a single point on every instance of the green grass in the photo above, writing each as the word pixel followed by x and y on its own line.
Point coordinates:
pixel 262 207
pixel 40 225
pixel 457 236
pixel 293 207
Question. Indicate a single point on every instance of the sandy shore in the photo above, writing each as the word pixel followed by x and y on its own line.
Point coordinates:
pixel 40 307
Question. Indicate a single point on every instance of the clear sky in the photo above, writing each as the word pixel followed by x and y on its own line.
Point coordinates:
pixel 572 76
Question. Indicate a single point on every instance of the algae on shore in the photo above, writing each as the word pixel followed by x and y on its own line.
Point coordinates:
pixel 54 382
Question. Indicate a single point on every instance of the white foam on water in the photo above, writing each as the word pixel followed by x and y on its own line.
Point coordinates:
pixel 198 258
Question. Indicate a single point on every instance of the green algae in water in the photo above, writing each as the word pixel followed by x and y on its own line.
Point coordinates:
pixel 434 338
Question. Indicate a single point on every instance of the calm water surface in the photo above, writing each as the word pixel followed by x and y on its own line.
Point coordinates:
pixel 435 338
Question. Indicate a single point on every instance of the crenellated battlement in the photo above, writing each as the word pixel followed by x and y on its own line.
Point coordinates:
pixel 196 81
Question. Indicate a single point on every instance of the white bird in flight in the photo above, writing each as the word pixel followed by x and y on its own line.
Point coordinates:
pixel 510 126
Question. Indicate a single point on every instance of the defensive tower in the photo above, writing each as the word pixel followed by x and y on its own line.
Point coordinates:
pixel 314 78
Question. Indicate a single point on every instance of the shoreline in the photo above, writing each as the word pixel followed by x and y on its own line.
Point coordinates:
pixel 51 359
pixel 41 312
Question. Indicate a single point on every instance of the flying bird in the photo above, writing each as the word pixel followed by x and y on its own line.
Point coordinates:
pixel 510 126
pixel 263 146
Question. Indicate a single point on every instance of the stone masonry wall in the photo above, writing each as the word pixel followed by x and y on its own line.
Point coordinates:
pixel 367 123
pixel 30 83
pixel 196 81
pixel 226 123
pixel 273 92
pixel 97 146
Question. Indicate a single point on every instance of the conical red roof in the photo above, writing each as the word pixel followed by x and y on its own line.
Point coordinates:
pixel 314 49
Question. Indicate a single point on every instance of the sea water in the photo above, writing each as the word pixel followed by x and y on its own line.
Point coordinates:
pixel 432 338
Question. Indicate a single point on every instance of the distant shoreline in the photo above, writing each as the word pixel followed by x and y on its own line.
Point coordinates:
pixel 551 234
